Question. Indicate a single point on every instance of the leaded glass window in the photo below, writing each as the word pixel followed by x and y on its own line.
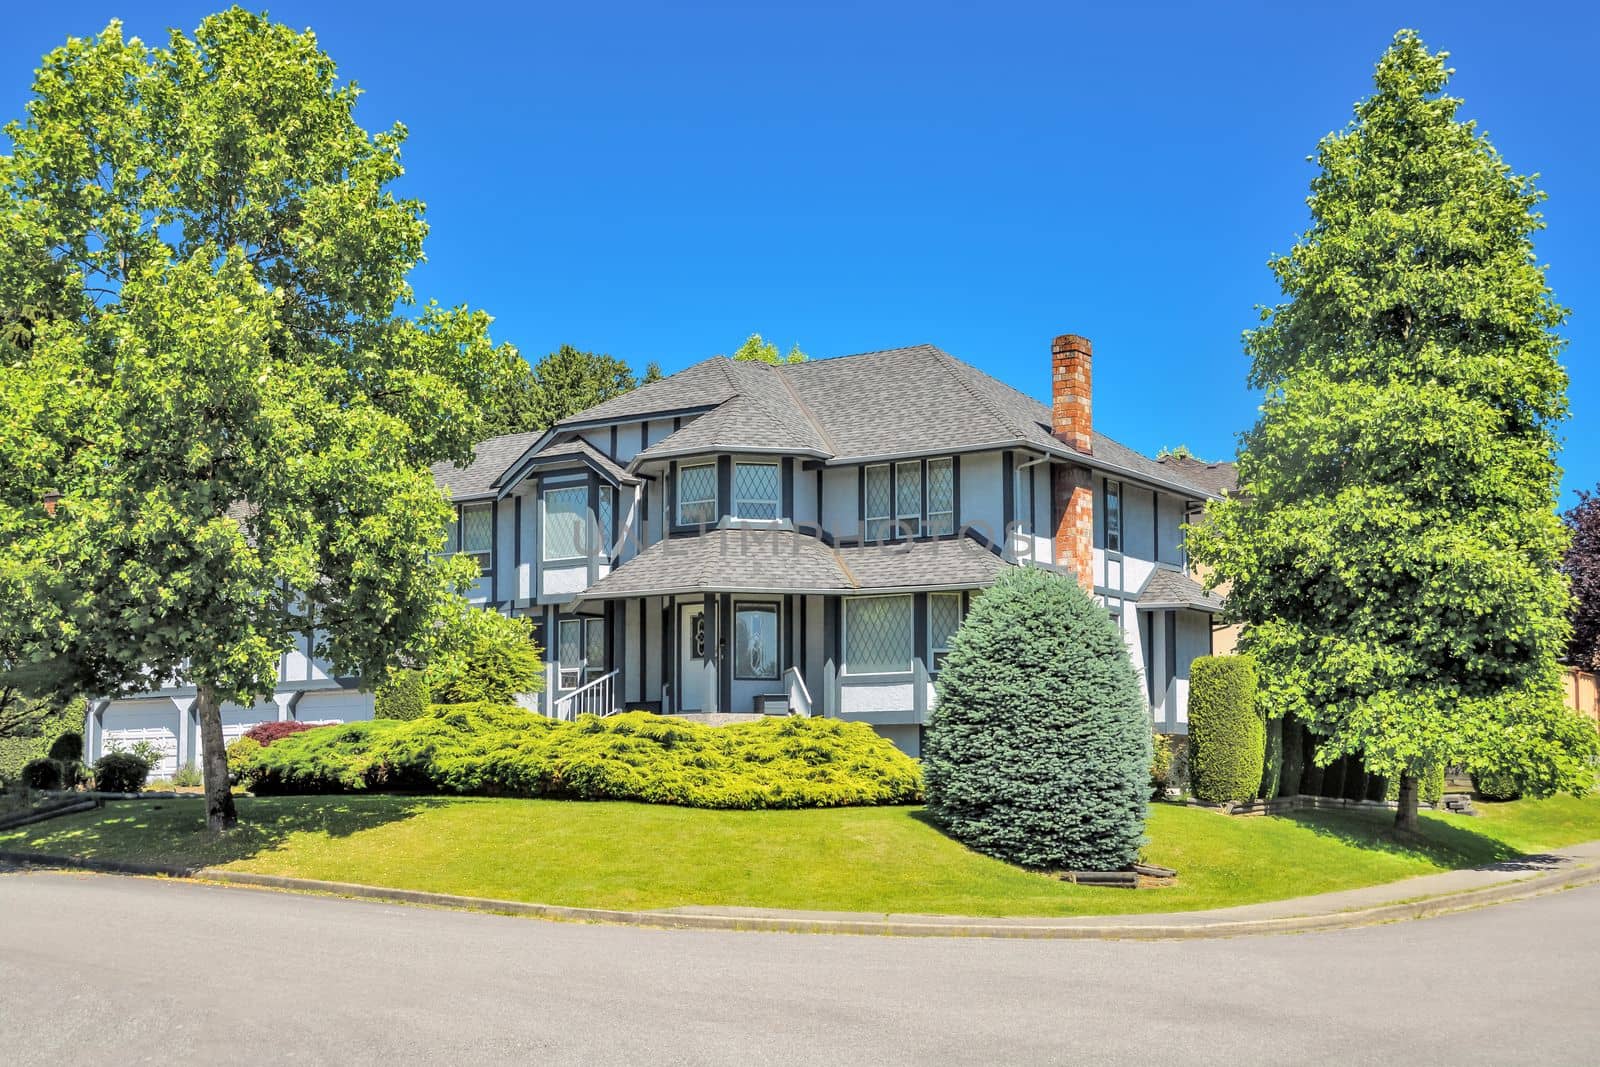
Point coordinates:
pixel 477 534
pixel 1113 516
pixel 908 498
pixel 879 504
pixel 566 512
pixel 941 497
pixel 944 619
pixel 697 494
pixel 877 635
pixel 755 490
pixel 570 655
pixel 755 641
pixel 608 507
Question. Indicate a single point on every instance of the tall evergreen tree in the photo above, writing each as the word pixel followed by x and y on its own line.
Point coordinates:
pixel 563 383
pixel 1395 545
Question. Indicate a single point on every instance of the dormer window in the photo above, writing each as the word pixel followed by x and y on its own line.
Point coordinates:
pixel 755 490
pixel 697 494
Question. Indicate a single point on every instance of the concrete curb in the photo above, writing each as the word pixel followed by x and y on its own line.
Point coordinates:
pixel 1110 928
pixel 1132 928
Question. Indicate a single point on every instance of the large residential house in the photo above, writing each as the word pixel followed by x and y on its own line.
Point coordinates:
pixel 797 538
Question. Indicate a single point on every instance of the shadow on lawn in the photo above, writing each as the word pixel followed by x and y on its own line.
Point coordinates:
pixel 1447 843
pixel 173 832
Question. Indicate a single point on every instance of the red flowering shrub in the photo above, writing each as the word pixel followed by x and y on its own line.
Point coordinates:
pixel 264 733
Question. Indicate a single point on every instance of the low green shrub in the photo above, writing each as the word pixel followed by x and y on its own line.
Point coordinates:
pixel 487 657
pixel 403 696
pixel 1226 733
pixel 1160 765
pixel 120 772
pixel 47 773
pixel 188 777
pixel 501 750
pixel 1497 786
pixel 240 755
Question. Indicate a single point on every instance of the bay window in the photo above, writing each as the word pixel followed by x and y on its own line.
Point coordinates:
pixel 944 619
pixel 908 498
pixel 941 497
pixel 697 494
pixel 566 514
pixel 755 490
pixel 877 501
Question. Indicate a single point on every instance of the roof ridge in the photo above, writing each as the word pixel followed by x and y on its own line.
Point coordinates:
pixel 844 568
pixel 957 370
pixel 808 362
pixel 805 410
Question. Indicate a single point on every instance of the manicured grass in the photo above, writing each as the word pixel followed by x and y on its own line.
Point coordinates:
pixel 849 859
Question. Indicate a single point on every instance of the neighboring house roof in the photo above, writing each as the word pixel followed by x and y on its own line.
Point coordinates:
pixel 1221 477
pixel 1168 588
pixel 768 560
pixel 489 461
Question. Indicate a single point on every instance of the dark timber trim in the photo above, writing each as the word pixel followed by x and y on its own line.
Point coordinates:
pixel 788 490
pixel 724 660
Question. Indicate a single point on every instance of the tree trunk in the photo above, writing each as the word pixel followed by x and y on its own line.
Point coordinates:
pixel 220 815
pixel 1405 817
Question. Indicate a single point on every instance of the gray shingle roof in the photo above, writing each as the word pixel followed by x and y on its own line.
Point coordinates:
pixel 1167 588
pixel 577 448
pixel 1221 478
pixel 490 459
pixel 898 401
pixel 784 561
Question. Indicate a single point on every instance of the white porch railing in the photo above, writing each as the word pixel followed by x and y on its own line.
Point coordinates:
pixel 596 698
pixel 799 695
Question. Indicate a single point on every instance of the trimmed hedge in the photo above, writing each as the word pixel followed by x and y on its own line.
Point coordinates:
pixel 501 750
pixel 68 746
pixel 1039 751
pixel 47 773
pixel 120 772
pixel 403 696
pixel 1227 735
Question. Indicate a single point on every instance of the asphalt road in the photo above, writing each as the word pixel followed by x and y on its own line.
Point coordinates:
pixel 107 969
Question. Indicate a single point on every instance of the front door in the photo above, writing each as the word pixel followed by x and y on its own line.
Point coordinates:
pixel 691 658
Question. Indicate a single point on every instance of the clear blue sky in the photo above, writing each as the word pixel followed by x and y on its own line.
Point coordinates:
pixel 659 181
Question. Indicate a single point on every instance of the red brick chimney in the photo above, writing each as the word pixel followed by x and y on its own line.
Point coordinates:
pixel 1073 423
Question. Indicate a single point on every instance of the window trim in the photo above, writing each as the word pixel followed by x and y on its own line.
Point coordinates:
pixel 678 500
pixel 844 636
pixel 585 518
pixel 776 501
pixel 765 608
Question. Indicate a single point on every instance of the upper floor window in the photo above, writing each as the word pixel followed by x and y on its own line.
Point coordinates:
pixel 1022 498
pixel 941 497
pixel 474 534
pixel 1113 516
pixel 697 494
pixel 878 501
pixel 908 498
pixel 606 513
pixel 566 512
pixel 755 490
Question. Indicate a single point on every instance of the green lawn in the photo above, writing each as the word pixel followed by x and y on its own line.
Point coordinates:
pixel 851 859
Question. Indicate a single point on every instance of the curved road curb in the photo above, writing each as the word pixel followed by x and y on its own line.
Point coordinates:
pixel 1124 928
pixel 1139 928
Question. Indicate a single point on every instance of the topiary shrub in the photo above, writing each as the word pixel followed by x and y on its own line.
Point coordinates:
pixel 46 773
pixel 1039 751
pixel 120 772
pixel 68 746
pixel 1226 735
pixel 403 696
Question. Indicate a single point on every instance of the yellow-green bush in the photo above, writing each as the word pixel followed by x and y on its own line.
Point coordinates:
pixel 504 750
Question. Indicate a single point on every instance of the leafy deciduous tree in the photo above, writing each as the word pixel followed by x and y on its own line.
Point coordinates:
pixel 1394 547
pixel 236 417
pixel 758 350
pixel 1583 571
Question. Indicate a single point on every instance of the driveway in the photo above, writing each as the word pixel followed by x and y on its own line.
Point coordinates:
pixel 102 968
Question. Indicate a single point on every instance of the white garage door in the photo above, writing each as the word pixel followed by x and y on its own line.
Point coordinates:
pixel 154 724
